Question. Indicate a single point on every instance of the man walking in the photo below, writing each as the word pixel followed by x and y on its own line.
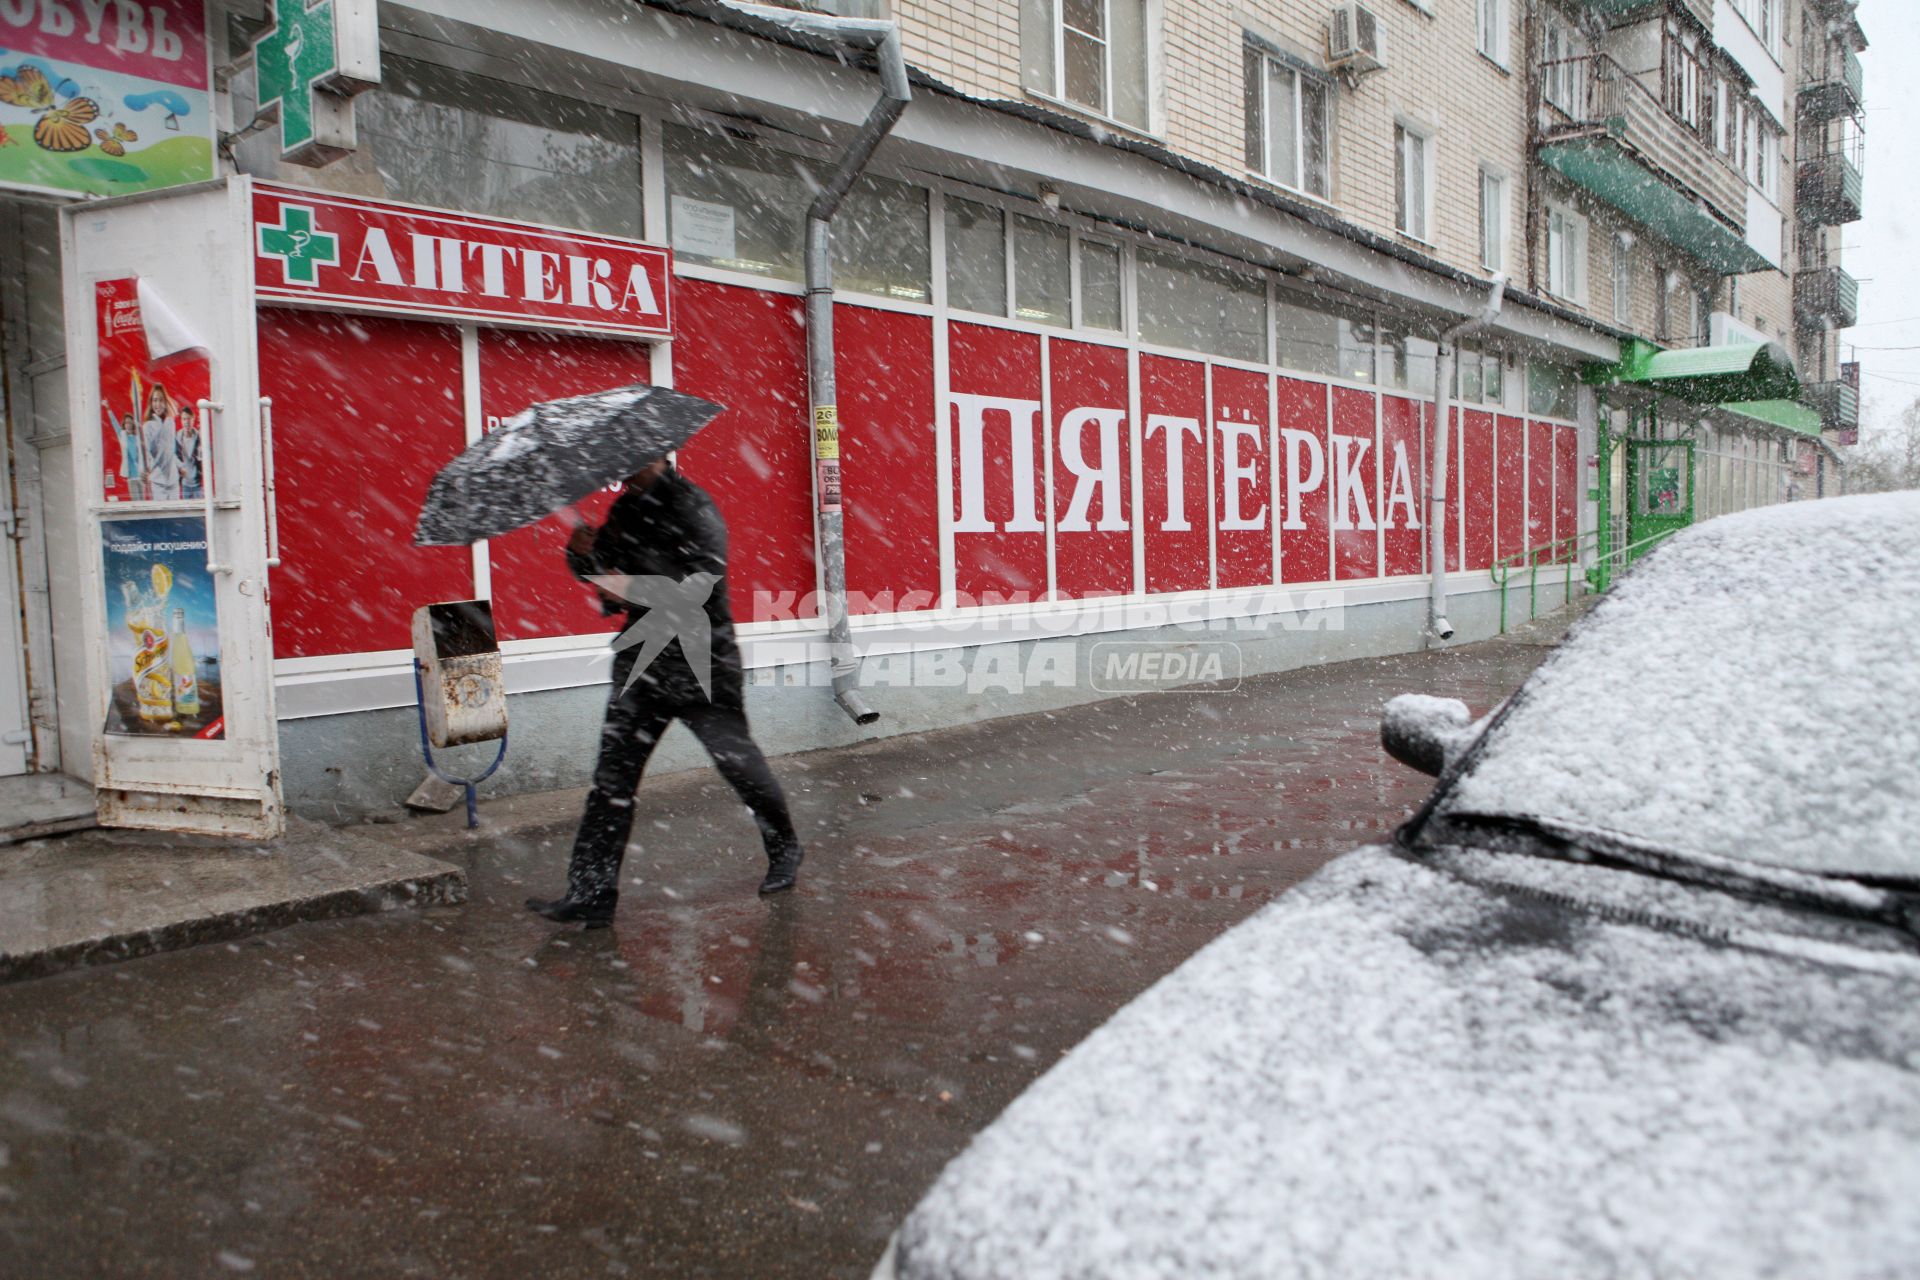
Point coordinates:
pixel 665 527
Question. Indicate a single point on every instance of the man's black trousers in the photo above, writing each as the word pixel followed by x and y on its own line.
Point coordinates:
pixel 636 717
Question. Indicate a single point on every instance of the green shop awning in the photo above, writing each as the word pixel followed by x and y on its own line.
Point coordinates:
pixel 1737 371
pixel 1787 414
pixel 1606 169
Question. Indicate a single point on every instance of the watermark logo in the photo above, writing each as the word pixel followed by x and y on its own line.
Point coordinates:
pixel 675 609
pixel 1147 666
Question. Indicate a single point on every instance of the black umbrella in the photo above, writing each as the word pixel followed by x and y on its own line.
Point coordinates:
pixel 551 456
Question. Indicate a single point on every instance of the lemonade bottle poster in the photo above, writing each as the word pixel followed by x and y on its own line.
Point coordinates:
pixel 163 634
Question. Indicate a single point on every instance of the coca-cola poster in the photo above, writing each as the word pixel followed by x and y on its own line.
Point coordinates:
pixel 152 376
pixel 163 628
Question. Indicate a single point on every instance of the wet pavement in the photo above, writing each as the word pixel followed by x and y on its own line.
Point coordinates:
pixel 718 1085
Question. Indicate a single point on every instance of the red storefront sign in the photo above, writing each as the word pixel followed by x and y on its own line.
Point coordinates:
pixel 343 251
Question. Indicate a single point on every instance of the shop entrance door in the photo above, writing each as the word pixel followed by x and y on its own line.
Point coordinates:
pixel 1660 492
pixel 170 464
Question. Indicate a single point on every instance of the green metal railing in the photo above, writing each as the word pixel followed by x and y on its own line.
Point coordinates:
pixel 1564 553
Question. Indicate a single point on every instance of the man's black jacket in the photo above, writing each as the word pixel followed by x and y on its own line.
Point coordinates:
pixel 670 529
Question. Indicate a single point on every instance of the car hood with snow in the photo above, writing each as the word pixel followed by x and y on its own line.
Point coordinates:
pixel 1405 1068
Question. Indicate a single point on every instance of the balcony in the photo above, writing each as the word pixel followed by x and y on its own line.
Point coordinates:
pixel 1826 296
pixel 1829 190
pixel 1837 403
pixel 1605 131
pixel 1834 90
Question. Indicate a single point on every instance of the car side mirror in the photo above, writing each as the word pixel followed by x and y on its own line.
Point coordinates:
pixel 1426 733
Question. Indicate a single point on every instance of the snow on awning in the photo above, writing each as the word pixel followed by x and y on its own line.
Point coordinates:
pixel 1734 371
pixel 1607 170
pixel 1787 415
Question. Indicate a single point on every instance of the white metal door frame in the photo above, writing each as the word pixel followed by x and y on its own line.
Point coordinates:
pixel 192 247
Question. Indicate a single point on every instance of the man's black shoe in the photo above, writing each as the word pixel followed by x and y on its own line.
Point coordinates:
pixel 594 915
pixel 782 871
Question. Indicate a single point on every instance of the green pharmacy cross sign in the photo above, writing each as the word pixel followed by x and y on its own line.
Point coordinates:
pixel 309 64
pixel 300 247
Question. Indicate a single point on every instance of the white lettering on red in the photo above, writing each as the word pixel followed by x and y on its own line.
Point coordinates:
pixel 971 453
pixel 1104 475
pixel 1306 470
pixel 1177 429
pixel 1234 474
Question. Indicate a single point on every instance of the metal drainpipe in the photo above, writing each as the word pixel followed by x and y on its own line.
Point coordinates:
pixel 1437 623
pixel 830 520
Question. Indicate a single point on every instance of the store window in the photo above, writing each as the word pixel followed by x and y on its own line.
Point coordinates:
pixel 1201 307
pixel 881 243
pixel 1552 390
pixel 1042 272
pixel 1479 378
pixel 976 257
pixel 1100 306
pixel 735 204
pixel 1413 167
pixel 1288 123
pixel 433 136
pixel 1306 338
pixel 1407 362
pixel 1091 53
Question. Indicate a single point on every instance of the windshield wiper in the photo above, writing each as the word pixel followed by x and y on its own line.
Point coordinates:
pixel 1544 837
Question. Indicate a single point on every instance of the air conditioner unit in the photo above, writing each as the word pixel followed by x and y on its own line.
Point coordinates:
pixel 1356 40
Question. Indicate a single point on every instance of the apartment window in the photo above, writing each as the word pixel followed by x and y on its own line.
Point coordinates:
pixel 1091 53
pixel 1766 158
pixel 1413 185
pixel 1623 281
pixel 1566 254
pixel 1565 57
pixel 1287 124
pixel 1493 221
pixel 1491 28
pixel 1700 304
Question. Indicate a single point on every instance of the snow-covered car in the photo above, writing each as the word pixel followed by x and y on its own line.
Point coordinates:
pixel 1635 993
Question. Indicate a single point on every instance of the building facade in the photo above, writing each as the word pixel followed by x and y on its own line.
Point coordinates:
pixel 1139 313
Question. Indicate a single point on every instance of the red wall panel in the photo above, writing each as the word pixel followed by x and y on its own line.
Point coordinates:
pixel 1176 548
pixel 1356 544
pixel 1566 476
pixel 1093 551
pixel 883 363
pixel 533 592
pixel 1478 476
pixel 1009 556
pixel 1305 481
pixel 1539 483
pixel 1400 470
pixel 747 350
pixel 1243 556
pixel 1510 486
pixel 365 411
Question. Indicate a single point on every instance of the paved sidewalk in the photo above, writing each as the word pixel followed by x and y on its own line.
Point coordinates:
pixel 718 1086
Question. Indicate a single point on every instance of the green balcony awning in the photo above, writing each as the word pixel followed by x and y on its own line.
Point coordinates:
pixel 1735 372
pixel 1605 168
pixel 1787 414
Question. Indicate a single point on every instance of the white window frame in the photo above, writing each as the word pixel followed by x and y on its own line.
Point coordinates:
pixel 1296 181
pixel 1766 159
pixel 1412 129
pixel 1149 50
pixel 1567 259
pixel 1491 22
pixel 1494 213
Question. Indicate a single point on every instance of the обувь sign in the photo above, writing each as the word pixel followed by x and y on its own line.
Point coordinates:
pixel 315 247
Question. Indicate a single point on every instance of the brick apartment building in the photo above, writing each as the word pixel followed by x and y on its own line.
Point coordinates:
pixel 1139 318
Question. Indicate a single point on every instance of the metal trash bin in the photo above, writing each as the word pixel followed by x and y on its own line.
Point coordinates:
pixel 459 685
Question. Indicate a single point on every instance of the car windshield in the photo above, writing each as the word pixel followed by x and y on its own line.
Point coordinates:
pixel 1751 692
